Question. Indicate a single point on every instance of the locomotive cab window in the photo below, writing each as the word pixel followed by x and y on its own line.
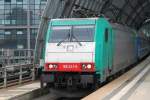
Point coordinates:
pixel 83 33
pixel 59 33
pixel 106 35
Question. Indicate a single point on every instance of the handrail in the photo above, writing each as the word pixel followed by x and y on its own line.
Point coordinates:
pixel 16 66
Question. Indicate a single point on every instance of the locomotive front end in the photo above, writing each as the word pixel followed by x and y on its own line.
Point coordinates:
pixel 70 52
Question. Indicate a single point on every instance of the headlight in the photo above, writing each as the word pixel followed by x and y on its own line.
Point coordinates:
pixel 83 66
pixel 89 66
pixel 50 66
pixel 86 66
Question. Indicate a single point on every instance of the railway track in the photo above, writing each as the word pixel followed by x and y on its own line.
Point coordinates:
pixel 64 94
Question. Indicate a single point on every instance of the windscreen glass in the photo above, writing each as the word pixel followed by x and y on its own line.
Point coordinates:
pixel 84 33
pixel 59 33
pixel 72 34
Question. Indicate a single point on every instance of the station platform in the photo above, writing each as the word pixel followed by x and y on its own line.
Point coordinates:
pixel 11 93
pixel 141 90
pixel 133 85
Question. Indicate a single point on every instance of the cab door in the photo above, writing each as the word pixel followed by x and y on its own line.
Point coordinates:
pixel 108 50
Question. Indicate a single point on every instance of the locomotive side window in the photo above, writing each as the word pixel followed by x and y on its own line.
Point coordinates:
pixel 106 35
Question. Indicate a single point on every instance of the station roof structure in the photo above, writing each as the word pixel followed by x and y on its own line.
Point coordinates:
pixel 129 12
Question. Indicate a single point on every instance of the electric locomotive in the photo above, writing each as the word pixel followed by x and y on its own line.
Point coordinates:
pixel 85 51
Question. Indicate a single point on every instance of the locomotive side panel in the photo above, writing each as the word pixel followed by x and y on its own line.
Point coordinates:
pixel 124 52
pixel 104 50
pixel 143 47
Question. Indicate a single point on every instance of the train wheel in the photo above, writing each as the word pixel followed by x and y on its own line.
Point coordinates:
pixel 96 86
pixel 41 84
pixel 50 85
pixel 96 83
pixel 41 81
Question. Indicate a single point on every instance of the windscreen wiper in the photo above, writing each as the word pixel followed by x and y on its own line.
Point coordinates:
pixel 70 37
pixel 67 37
pixel 73 36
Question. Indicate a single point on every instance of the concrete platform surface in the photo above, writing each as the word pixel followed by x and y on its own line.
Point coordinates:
pixel 12 92
pixel 126 87
pixel 141 91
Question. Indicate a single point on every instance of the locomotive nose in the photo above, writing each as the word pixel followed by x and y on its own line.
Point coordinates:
pixel 70 52
pixel 70 48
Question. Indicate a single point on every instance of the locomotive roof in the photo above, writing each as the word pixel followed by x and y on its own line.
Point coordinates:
pixel 58 19
pixel 74 21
